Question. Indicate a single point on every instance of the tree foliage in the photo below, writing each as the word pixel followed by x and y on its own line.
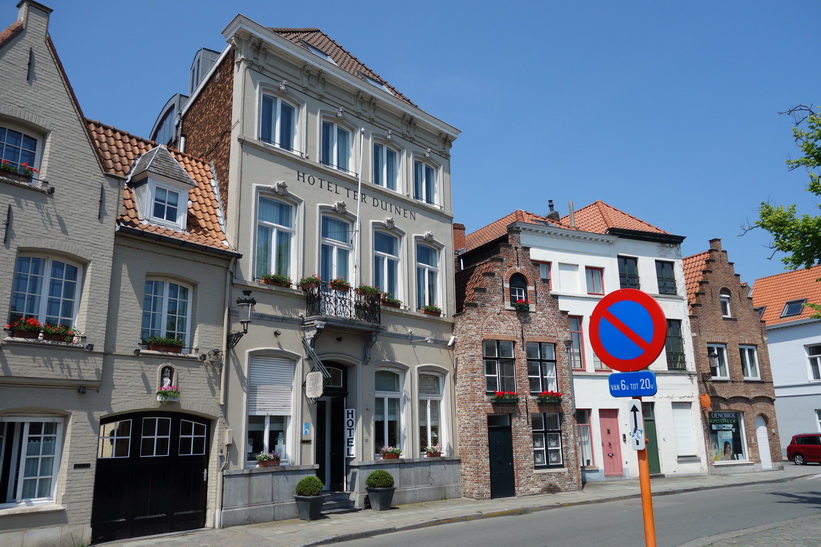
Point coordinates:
pixel 799 236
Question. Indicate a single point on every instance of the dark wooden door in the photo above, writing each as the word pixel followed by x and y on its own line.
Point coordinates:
pixel 502 477
pixel 330 442
pixel 151 477
pixel 650 433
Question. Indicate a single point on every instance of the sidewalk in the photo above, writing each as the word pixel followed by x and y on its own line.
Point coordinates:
pixel 350 526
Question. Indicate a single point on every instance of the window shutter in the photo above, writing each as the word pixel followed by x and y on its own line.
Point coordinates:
pixel 270 386
pixel 683 425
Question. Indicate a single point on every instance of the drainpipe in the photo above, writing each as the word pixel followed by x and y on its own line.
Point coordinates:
pixel 224 374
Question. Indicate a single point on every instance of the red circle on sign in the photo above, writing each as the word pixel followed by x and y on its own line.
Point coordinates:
pixel 650 349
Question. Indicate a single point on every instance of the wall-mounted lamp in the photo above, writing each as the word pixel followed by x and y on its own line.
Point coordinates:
pixel 89 347
pixel 137 352
pixel 245 307
pixel 452 341
pixel 81 390
pixel 277 332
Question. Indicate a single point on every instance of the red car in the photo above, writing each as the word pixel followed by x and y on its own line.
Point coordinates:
pixel 805 448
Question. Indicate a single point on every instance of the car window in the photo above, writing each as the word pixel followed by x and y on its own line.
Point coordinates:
pixel 812 440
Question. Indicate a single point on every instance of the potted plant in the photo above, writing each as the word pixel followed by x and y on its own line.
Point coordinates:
pixel 58 333
pixel 22 173
pixel 390 452
pixel 339 284
pixel 504 397
pixel 389 301
pixel 268 459
pixel 168 394
pixel 367 290
pixel 521 305
pixel 25 328
pixel 434 451
pixel 379 485
pixel 308 498
pixel 275 279
pixel 549 397
pixel 164 343
pixel 309 282
pixel 431 310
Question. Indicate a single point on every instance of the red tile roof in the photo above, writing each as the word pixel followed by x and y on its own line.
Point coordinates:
pixel 10 32
pixel 498 228
pixel 693 268
pixel 340 55
pixel 118 151
pixel 598 217
pixel 775 291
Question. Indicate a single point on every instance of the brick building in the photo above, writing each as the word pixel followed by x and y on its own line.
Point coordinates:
pixel 735 380
pixel 511 337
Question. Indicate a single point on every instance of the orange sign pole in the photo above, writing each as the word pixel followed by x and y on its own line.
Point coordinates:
pixel 646 496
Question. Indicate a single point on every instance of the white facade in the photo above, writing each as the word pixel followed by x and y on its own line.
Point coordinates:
pixel 677 443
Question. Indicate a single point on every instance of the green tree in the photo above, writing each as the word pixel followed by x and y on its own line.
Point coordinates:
pixel 799 236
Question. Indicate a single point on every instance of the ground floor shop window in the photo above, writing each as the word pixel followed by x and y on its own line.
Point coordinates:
pixel 29 458
pixel 270 390
pixel 547 440
pixel 266 434
pixel 727 436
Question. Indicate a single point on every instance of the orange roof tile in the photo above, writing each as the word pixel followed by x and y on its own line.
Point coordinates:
pixel 340 55
pixel 693 267
pixel 775 291
pixel 498 228
pixel 598 217
pixel 118 151
pixel 10 32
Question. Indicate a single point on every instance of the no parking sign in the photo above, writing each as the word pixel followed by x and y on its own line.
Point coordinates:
pixel 628 330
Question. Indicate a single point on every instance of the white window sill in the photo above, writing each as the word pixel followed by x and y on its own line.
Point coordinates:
pixel 731 462
pixel 153 353
pixel 32 508
pixel 539 470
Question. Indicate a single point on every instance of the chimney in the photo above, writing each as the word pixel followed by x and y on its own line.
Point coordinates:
pixel 458 236
pixel 552 215
pixel 715 244
pixel 572 214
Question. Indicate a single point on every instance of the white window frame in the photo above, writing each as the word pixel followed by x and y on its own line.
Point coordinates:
pixel 341 251
pixel 814 361
pixel 546 433
pixel 722 372
pixel 18 455
pixel 427 278
pixel 724 301
pixel 382 397
pixel 276 232
pixel 37 304
pixel 425 189
pixel 381 173
pixel 427 401
pixel 749 362
pixel 277 129
pixel 387 262
pixel 336 154
pixel 39 143
pixel 270 394
pixel 184 334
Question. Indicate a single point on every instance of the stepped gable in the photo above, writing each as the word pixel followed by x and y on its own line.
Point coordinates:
pixel 693 267
pixel 773 292
pixel 118 151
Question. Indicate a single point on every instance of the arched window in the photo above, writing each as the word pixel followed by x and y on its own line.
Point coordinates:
pixel 724 298
pixel 518 288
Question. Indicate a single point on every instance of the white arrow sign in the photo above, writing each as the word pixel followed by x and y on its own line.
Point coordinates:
pixel 636 425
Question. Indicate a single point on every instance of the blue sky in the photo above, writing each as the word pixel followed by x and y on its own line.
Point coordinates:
pixel 666 110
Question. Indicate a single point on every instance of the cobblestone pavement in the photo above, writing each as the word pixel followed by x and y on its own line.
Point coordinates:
pixel 351 526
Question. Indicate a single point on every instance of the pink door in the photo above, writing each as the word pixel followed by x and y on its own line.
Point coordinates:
pixel 610 442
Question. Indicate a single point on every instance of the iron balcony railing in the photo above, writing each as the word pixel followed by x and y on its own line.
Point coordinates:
pixel 345 304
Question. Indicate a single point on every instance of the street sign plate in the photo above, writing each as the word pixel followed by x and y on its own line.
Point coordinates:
pixel 636 425
pixel 628 330
pixel 632 384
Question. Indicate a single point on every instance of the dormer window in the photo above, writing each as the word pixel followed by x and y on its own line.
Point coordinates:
pixel 160 187
pixel 376 83
pixel 319 53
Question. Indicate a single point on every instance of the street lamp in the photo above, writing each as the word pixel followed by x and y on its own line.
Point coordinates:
pixel 245 307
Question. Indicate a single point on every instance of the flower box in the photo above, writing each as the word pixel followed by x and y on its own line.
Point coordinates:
pixel 274 282
pixel 167 399
pixel 388 304
pixel 29 334
pixel 390 456
pixel 309 285
pixel 16 177
pixel 168 348
pixel 549 400
pixel 268 463
pixel 431 312
pixel 433 454
pixel 504 397
pixel 51 337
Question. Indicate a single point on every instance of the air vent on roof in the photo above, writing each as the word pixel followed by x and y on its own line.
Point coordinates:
pixel 318 52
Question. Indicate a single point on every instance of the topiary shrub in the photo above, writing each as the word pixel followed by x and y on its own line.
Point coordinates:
pixel 309 486
pixel 379 479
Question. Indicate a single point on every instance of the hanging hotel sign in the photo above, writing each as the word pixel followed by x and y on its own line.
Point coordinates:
pixel 313 385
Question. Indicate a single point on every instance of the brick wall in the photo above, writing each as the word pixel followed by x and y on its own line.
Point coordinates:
pixel 486 315
pixel 207 124
pixel 744 327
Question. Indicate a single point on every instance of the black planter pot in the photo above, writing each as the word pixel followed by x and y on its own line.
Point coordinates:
pixel 380 498
pixel 309 507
